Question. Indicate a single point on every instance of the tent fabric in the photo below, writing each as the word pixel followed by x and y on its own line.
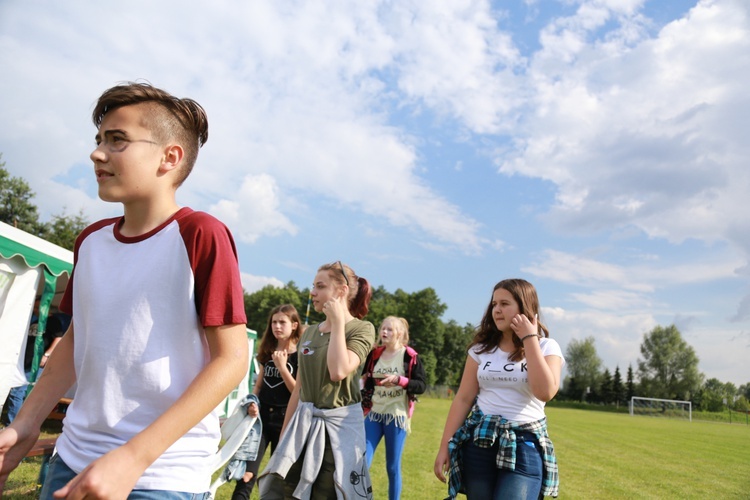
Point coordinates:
pixel 20 285
pixel 34 251
pixel 26 261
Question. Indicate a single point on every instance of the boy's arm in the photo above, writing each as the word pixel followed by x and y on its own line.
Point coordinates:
pixel 114 474
pixel 21 435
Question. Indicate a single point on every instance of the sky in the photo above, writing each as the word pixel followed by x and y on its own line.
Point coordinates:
pixel 596 148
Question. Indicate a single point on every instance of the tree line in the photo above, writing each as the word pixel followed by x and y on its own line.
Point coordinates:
pixel 667 369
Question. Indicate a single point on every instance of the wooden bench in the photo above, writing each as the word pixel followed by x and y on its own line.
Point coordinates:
pixel 58 412
pixel 43 447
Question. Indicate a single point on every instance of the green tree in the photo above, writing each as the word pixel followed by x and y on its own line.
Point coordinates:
pixel 629 385
pixel 583 368
pixel 453 353
pixel 618 391
pixel 258 304
pixel 382 305
pixel 714 393
pixel 669 368
pixel 606 389
pixel 64 229
pixel 16 208
pixel 742 404
pixel 744 390
pixel 422 309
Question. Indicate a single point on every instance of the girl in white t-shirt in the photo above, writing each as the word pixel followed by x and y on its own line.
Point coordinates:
pixel 495 443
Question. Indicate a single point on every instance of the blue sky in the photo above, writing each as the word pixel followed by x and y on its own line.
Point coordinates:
pixel 596 148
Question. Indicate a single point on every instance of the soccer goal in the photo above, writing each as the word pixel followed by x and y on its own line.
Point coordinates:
pixel 668 408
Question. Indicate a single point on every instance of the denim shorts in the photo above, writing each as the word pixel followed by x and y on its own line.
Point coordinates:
pixel 59 474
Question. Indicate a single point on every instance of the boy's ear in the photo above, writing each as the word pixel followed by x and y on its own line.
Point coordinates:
pixel 173 155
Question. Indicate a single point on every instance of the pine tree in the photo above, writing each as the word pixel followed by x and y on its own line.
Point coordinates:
pixel 607 393
pixel 629 385
pixel 618 390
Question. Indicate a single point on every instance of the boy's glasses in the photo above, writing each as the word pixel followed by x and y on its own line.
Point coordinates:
pixel 344 273
pixel 120 144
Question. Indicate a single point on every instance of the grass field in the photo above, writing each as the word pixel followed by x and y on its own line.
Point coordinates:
pixel 601 455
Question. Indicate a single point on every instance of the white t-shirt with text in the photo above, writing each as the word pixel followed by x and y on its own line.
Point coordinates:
pixel 504 385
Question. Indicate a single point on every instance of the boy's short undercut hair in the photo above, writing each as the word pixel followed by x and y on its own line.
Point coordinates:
pixel 168 117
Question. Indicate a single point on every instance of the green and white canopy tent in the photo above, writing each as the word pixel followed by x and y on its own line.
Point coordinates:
pixel 30 267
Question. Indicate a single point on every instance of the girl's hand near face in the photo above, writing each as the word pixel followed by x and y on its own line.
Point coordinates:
pixel 335 309
pixel 522 326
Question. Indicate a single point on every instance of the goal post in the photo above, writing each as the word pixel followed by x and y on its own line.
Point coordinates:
pixel 667 408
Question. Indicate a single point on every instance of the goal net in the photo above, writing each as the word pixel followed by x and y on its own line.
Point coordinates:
pixel 668 408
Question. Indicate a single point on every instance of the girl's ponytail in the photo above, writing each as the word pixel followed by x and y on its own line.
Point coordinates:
pixel 360 304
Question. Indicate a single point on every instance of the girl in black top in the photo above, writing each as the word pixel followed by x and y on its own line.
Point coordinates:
pixel 277 355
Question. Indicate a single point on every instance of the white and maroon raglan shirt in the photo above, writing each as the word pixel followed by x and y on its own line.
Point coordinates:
pixel 140 306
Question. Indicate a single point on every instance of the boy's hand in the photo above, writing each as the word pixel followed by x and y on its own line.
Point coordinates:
pixel 252 410
pixel 15 443
pixel 112 476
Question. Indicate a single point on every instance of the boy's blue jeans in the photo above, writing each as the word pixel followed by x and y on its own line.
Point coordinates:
pixel 484 481
pixel 59 474
pixel 395 438
pixel 15 400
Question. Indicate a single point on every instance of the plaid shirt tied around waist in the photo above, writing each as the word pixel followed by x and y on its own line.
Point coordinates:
pixel 485 430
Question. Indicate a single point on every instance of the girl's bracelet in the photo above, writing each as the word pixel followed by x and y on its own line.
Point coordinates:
pixel 528 336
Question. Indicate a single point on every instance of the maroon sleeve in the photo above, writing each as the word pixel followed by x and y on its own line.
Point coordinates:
pixel 219 297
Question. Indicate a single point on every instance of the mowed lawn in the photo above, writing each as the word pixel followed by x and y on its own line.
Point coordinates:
pixel 601 455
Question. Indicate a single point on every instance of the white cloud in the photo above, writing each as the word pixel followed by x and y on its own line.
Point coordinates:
pixel 643 132
pixel 452 57
pixel 617 337
pixel 293 93
pixel 610 300
pixel 743 310
pixel 722 351
pixel 573 269
pixel 643 276
pixel 255 210
pixel 252 283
